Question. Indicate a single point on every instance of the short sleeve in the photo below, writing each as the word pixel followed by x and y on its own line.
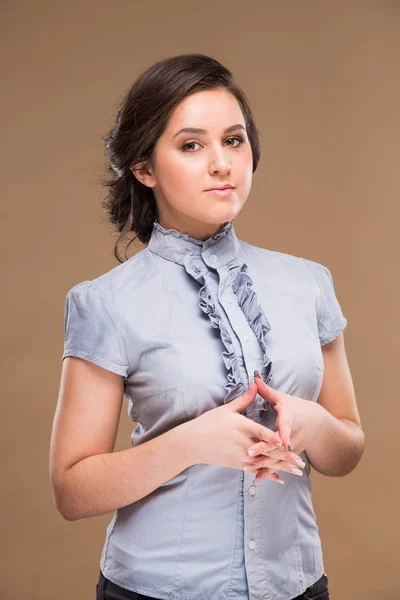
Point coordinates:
pixel 328 311
pixel 91 330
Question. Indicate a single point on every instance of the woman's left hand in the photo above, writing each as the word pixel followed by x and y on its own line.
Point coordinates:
pixel 297 423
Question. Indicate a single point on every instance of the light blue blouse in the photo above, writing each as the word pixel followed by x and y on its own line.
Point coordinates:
pixel 186 322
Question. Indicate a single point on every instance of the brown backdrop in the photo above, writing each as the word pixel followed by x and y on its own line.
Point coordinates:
pixel 323 81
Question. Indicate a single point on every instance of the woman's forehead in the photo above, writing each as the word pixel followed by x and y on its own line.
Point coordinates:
pixel 210 110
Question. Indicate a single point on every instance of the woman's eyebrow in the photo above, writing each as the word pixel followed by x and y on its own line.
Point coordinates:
pixel 204 131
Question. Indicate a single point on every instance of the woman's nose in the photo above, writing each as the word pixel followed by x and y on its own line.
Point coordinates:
pixel 220 164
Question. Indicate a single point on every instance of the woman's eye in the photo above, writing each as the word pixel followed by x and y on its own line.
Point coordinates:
pixel 186 145
pixel 237 138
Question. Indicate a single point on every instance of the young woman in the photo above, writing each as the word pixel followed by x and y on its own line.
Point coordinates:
pixel 179 329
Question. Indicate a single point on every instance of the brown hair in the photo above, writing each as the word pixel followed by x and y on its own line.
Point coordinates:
pixel 141 118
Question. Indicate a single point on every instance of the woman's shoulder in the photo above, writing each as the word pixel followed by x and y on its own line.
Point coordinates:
pixel 114 281
pixel 280 260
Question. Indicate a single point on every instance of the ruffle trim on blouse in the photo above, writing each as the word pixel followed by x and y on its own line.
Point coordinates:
pixel 187 238
pixel 247 299
pixel 242 287
pixel 233 386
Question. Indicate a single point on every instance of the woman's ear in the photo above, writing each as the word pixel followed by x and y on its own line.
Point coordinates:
pixel 143 172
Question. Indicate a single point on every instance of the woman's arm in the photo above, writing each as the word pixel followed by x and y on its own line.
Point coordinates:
pixel 338 445
pixel 339 440
pixel 104 482
pixel 87 477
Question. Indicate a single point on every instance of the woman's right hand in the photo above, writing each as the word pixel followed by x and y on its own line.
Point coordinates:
pixel 221 436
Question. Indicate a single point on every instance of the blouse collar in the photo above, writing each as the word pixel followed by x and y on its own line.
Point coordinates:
pixel 216 251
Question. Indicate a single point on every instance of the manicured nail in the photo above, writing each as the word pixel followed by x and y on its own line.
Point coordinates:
pixel 283 447
pixel 277 478
pixel 252 381
pixel 251 452
pixel 256 374
pixel 290 447
pixel 296 471
pixel 298 462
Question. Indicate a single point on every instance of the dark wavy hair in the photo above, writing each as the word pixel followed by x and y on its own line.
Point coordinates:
pixel 141 118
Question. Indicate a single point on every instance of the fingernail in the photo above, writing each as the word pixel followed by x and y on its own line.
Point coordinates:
pixel 277 478
pixel 251 452
pixel 252 382
pixel 283 447
pixel 290 447
pixel 256 373
pixel 296 471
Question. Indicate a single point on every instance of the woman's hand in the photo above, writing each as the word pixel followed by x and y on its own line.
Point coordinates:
pixel 221 436
pixel 296 423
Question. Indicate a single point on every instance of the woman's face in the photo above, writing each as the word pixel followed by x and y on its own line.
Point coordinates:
pixel 187 164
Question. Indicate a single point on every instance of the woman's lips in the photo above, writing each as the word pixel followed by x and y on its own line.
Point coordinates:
pixel 221 193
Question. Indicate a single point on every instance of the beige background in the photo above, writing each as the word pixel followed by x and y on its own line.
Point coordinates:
pixel 323 81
